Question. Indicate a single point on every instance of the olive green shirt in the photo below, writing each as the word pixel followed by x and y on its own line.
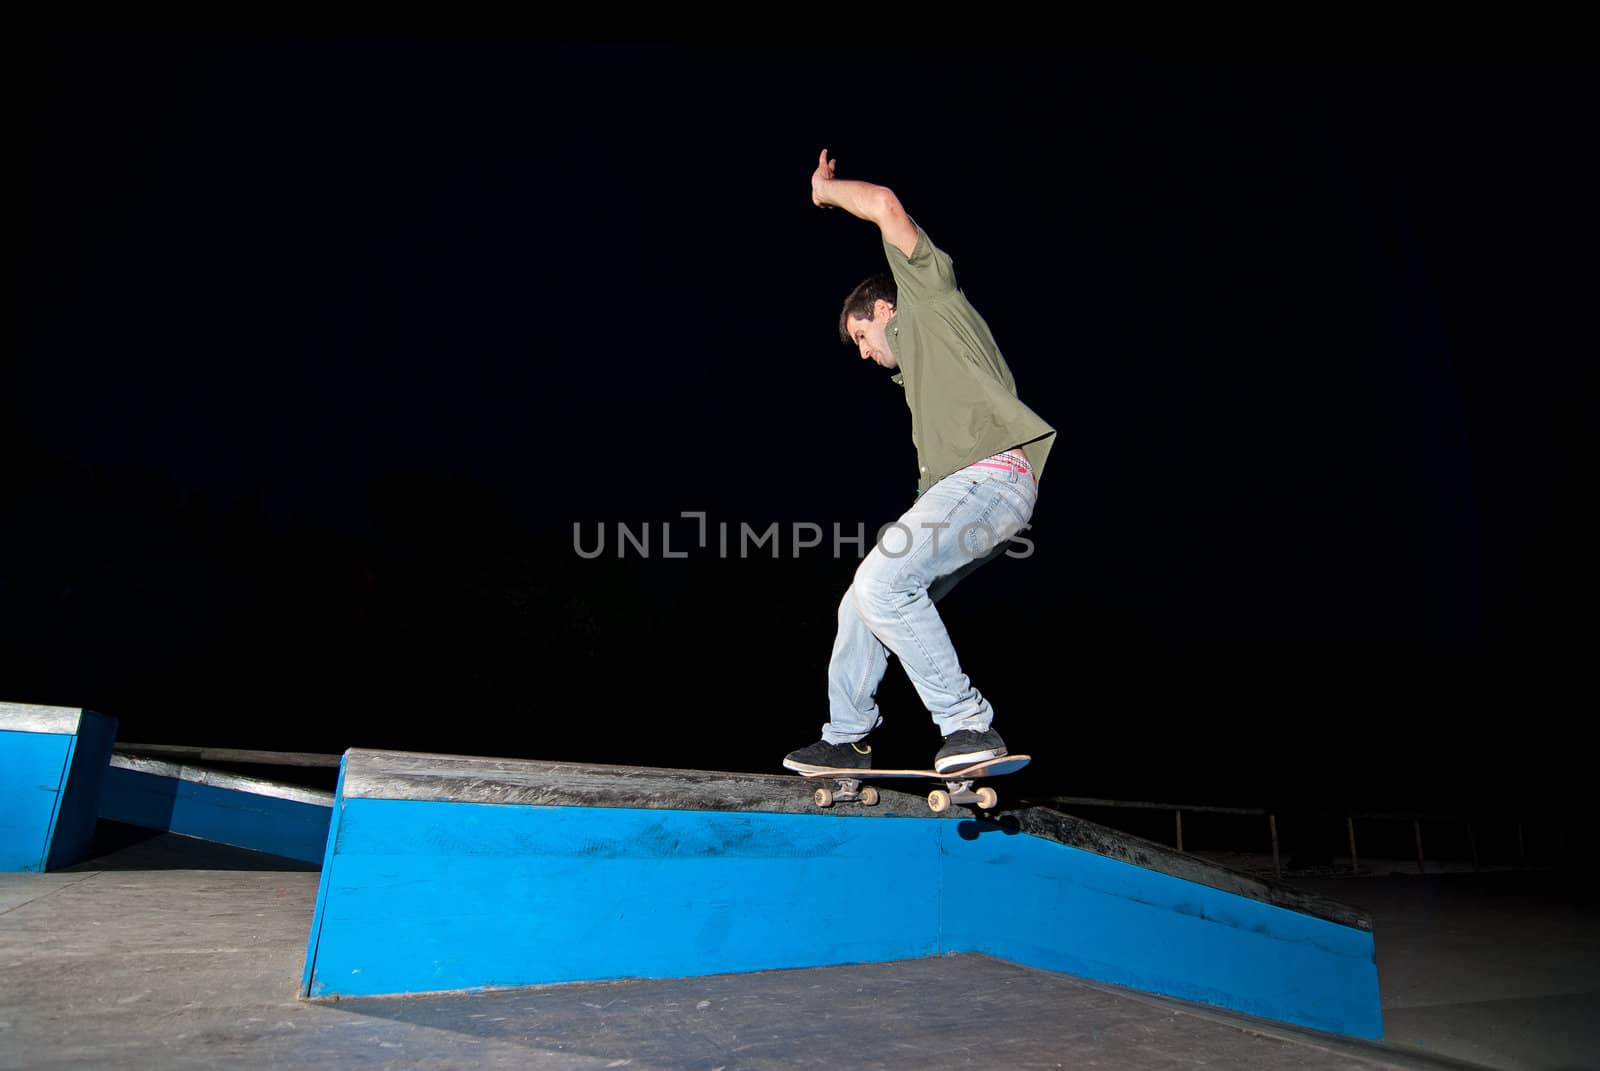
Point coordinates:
pixel 963 401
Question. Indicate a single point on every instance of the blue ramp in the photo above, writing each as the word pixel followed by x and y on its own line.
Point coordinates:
pixel 213 805
pixel 445 873
pixel 52 760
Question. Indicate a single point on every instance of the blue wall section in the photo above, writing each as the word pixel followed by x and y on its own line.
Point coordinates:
pixel 1061 908
pixel 32 769
pixel 226 815
pixel 49 786
pixel 73 835
pixel 421 896
pixel 325 884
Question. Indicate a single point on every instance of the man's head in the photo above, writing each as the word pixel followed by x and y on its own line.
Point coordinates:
pixel 864 321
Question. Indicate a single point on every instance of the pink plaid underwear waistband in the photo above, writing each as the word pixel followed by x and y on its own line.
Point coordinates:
pixel 1005 461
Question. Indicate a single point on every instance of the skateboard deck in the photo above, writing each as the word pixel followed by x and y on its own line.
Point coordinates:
pixel 848 787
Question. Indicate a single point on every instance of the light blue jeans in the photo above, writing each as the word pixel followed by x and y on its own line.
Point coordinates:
pixel 955 526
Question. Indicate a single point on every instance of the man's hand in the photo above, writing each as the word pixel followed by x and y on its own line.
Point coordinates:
pixel 864 200
pixel 823 174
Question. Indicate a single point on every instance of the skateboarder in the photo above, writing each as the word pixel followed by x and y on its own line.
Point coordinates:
pixel 980 452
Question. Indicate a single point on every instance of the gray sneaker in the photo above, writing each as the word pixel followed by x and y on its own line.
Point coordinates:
pixel 964 747
pixel 825 756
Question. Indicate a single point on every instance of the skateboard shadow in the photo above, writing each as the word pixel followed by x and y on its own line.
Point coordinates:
pixel 973 828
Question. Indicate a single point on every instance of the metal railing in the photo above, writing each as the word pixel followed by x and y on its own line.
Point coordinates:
pixel 1271 815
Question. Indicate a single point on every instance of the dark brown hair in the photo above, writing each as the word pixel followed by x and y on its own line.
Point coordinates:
pixel 863 299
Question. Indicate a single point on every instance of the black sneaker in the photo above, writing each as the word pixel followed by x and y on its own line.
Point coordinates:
pixel 964 747
pixel 823 756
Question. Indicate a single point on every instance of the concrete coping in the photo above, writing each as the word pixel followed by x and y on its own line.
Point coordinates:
pixel 459 779
pixel 29 718
pixel 218 779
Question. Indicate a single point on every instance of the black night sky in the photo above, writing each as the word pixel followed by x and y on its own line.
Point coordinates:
pixel 326 346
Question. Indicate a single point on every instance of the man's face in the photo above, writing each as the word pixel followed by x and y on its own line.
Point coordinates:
pixel 871 336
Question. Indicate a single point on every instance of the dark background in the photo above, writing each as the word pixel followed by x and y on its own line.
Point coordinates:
pixel 326 346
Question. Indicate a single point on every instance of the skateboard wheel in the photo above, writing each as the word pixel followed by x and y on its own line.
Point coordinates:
pixel 822 797
pixel 869 797
pixel 987 797
pixel 938 801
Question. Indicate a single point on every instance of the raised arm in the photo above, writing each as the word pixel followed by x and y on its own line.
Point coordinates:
pixel 864 200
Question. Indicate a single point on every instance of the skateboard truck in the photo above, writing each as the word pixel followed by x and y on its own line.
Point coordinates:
pixel 846 790
pixel 941 799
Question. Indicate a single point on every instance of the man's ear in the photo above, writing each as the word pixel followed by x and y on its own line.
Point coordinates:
pixel 883 308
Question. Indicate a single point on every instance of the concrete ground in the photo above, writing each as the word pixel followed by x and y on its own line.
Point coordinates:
pixel 1498 969
pixel 170 954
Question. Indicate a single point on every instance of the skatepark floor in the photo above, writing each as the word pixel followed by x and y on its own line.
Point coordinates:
pixel 172 953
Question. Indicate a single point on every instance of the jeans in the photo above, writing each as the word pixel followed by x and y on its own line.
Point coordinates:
pixel 955 526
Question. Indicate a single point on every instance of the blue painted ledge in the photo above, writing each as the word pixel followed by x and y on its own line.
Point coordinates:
pixel 446 873
pixel 52 761
pixel 225 808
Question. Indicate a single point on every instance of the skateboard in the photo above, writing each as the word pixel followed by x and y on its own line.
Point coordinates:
pixel 958 784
